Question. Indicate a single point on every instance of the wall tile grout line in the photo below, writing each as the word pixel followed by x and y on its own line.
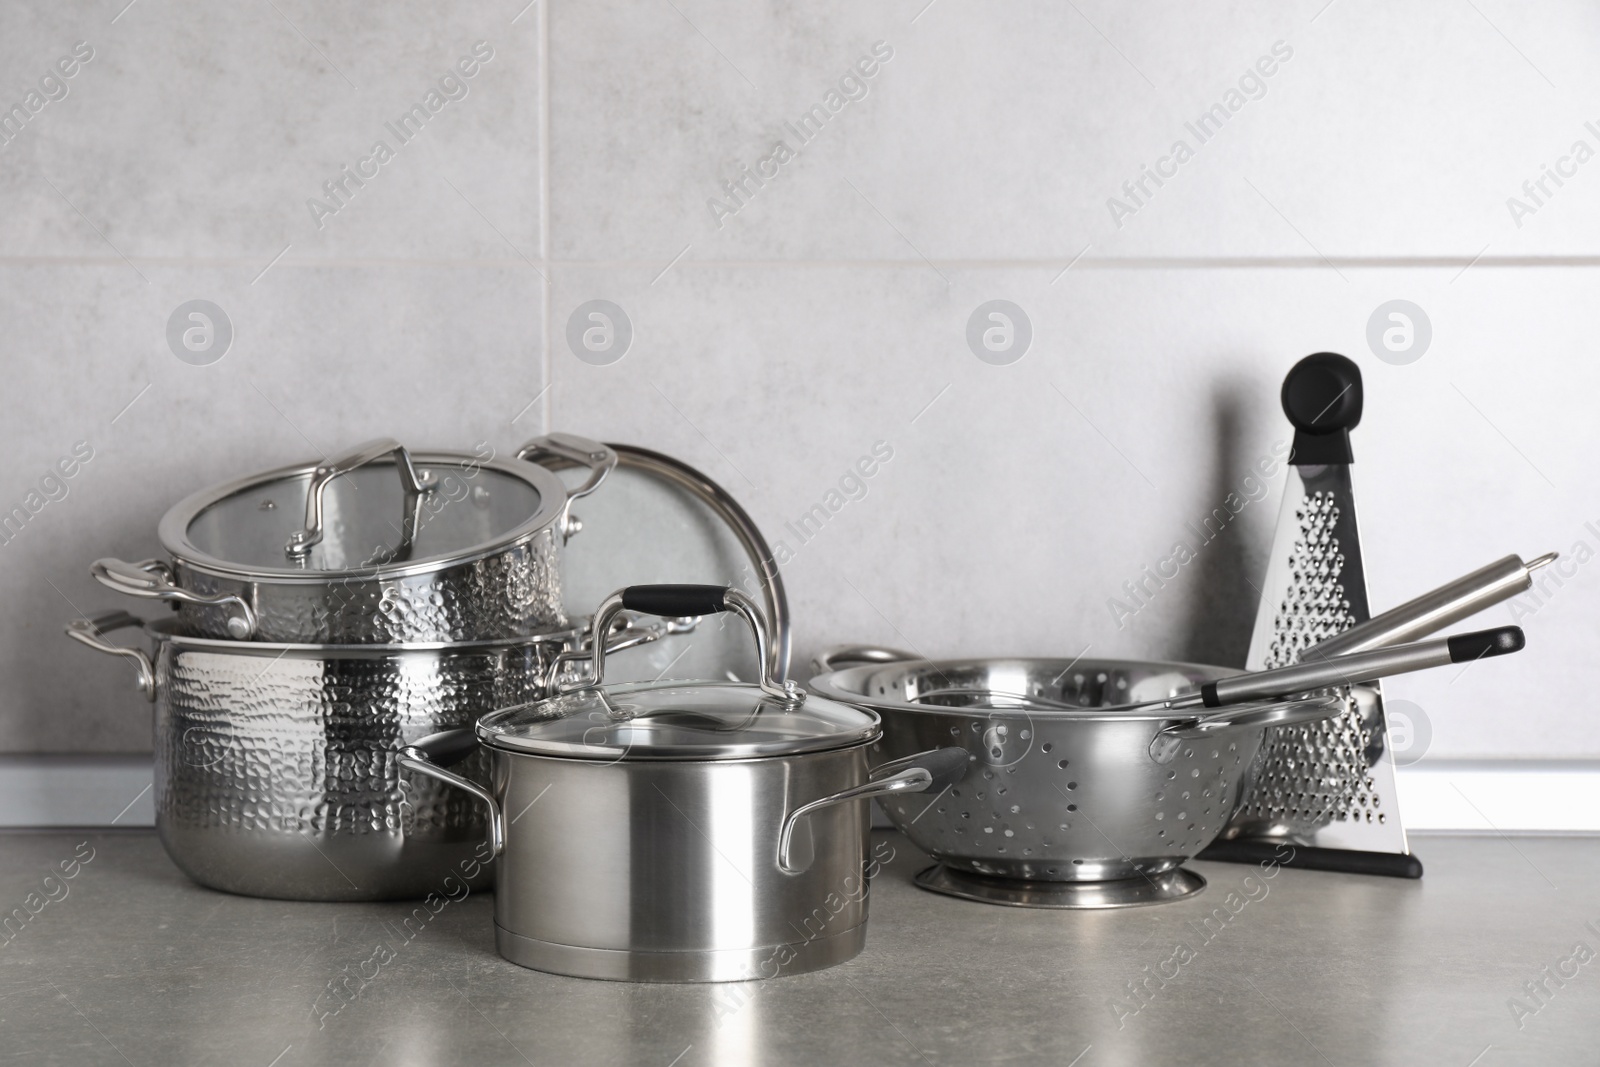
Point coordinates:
pixel 1152 263
pixel 546 363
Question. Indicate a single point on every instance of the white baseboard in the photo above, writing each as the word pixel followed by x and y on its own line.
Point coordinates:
pixel 43 791
pixel 1504 796
pixel 1460 796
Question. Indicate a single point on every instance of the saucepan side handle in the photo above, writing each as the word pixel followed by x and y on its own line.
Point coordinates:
pixel 152 580
pixel 933 771
pixel 1166 743
pixel 432 754
pixel 92 631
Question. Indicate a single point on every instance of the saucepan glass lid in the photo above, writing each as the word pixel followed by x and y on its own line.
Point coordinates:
pixel 368 519
pixel 676 721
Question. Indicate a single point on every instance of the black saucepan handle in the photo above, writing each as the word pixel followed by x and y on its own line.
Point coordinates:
pixel 685 601
pixel 675 601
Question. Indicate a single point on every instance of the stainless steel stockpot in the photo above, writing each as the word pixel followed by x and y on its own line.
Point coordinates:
pixel 376 546
pixel 275 770
pixel 1074 797
pixel 672 832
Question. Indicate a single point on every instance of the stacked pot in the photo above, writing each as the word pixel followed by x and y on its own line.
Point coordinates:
pixel 327 615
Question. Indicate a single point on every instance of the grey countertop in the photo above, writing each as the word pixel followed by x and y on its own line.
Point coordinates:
pixel 130 963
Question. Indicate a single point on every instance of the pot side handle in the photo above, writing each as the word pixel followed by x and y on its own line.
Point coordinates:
pixel 152 580
pixel 432 754
pixel 570 449
pixel 92 631
pixel 926 772
pixel 555 451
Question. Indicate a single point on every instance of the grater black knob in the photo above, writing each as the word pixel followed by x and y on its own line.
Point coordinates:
pixel 1322 397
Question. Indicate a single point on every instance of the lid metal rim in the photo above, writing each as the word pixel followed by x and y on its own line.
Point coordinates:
pixel 174 526
pixel 490 734
pixel 610 759
pixel 824 685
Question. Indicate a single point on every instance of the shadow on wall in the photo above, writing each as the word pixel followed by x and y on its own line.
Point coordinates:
pixel 1222 605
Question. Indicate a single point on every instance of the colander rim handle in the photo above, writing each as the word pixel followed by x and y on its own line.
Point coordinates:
pixel 1256 715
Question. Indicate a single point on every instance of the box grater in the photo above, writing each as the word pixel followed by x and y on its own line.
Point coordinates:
pixel 1326 789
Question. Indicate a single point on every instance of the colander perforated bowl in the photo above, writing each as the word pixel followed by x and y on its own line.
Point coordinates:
pixel 1065 782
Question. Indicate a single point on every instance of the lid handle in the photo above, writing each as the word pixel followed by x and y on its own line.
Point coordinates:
pixel 685 601
pixel 301 541
pixel 675 601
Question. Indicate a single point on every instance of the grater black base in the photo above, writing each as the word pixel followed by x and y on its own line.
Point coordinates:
pixel 1349 861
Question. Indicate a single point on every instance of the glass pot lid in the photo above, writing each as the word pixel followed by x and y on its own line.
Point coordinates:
pixel 680 720
pixel 676 721
pixel 374 508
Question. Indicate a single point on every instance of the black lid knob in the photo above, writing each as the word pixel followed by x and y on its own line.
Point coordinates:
pixel 1322 397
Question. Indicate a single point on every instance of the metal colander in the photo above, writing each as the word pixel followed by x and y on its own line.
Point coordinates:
pixel 1094 792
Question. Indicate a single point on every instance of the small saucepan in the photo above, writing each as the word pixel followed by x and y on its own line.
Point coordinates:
pixel 681 832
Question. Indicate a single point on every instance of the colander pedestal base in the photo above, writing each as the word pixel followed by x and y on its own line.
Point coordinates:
pixel 1175 884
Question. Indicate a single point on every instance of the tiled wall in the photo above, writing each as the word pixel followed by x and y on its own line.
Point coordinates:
pixel 1334 157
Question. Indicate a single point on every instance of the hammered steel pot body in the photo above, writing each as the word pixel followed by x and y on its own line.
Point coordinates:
pixel 669 870
pixel 275 766
pixel 1055 795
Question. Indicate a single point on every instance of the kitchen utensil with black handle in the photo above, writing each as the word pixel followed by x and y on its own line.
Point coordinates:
pixel 1438 608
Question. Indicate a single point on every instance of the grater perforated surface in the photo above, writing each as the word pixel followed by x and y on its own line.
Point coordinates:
pixel 1330 782
pixel 1314 607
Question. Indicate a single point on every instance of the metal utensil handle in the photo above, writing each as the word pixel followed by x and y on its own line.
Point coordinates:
pixel 430 755
pixel 1357 667
pixel 926 772
pixel 152 580
pixel 1434 611
pixel 832 659
pixel 301 541
pixel 92 631
pixel 579 451
pixel 683 601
